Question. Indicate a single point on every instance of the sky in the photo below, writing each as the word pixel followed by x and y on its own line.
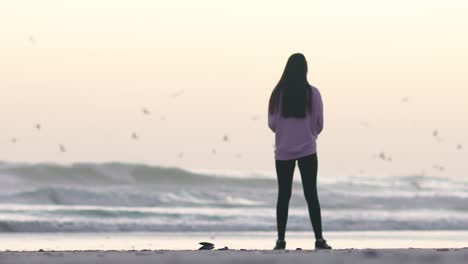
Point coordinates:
pixel 390 73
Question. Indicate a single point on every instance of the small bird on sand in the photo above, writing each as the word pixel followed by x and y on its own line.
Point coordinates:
pixel 62 148
pixel 206 246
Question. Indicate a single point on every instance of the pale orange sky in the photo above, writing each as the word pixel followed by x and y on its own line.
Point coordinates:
pixel 84 69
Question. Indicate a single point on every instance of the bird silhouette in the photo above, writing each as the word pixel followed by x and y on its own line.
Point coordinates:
pixel 145 111
pixel 134 136
pixel 225 138
pixel 62 148
pixel 38 126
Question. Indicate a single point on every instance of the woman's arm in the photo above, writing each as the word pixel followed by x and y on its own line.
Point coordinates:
pixel 319 108
pixel 272 121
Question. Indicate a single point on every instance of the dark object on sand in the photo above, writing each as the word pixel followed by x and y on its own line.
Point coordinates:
pixel 370 253
pixel 206 246
pixel 298 248
pixel 224 248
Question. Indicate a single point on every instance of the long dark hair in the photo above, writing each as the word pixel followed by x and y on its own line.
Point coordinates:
pixel 293 88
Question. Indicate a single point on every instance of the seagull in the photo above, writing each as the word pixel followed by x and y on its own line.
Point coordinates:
pixel 134 136
pixel 384 157
pixel 145 111
pixel 177 94
pixel 62 148
pixel 225 138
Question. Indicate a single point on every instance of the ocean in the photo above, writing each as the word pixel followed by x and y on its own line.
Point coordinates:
pixel 123 197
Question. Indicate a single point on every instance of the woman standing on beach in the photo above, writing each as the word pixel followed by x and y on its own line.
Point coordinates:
pixel 295 115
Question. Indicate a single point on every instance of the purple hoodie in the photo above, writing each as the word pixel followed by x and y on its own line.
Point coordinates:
pixel 296 137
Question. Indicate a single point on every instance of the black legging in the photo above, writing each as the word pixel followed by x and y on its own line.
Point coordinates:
pixel 285 171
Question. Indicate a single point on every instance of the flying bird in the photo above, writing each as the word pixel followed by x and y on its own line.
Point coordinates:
pixel 134 136
pixel 225 138
pixel 438 167
pixel 145 111
pixel 435 133
pixel 38 126
pixel 384 157
pixel 62 148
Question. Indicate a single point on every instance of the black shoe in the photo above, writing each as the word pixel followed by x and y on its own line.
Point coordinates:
pixel 280 244
pixel 322 244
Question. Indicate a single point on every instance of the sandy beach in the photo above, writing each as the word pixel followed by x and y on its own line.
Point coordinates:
pixel 442 255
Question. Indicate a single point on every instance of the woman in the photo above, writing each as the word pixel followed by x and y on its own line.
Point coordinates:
pixel 295 115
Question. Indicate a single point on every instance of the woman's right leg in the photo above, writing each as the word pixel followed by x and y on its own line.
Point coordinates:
pixel 284 173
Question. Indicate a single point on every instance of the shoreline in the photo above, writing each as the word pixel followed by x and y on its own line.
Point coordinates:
pixel 407 255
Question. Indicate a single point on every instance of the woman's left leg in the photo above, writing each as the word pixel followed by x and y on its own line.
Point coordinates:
pixel 308 168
